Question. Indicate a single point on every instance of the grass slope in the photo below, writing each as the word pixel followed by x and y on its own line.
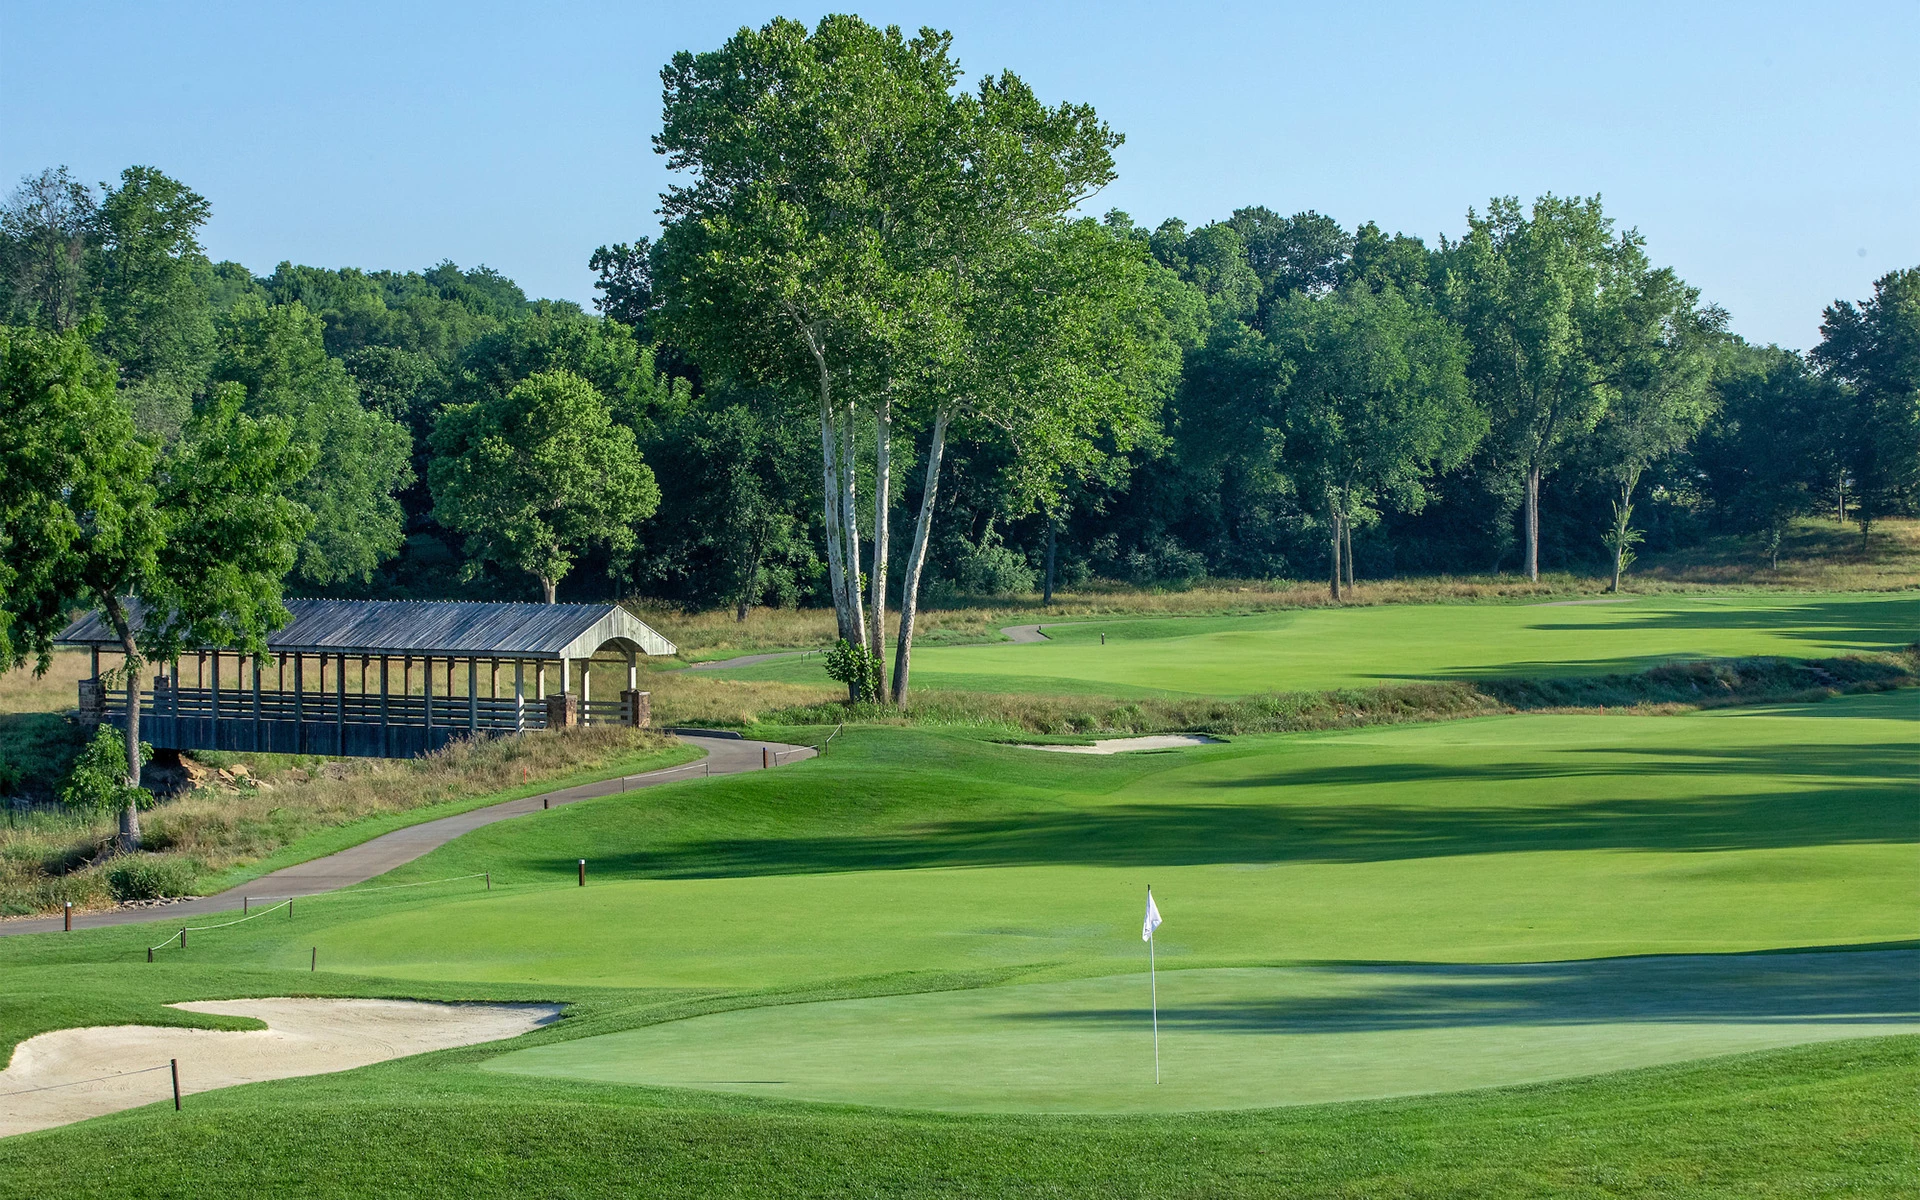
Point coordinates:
pixel 1815 1121
pixel 921 862
pixel 1320 648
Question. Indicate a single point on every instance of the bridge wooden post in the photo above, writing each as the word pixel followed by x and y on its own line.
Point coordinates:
pixel 299 704
pixel 426 694
pixel 519 695
pixel 340 708
pixel 473 697
pixel 255 659
pixel 386 735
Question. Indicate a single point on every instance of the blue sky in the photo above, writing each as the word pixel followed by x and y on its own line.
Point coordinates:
pixel 1770 152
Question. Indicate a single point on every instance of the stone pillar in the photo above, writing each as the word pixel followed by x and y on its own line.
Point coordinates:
pixel 563 709
pixel 639 706
pixel 93 703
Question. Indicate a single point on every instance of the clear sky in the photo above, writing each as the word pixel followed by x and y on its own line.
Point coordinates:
pixel 1770 152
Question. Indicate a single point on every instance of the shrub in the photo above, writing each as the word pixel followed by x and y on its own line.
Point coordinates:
pixel 97 782
pixel 149 877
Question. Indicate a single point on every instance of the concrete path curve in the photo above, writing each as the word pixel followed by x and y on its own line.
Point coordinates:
pixel 377 856
pixel 1024 633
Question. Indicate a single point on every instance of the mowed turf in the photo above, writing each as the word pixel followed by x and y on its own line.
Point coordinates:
pixel 1510 839
pixel 912 859
pixel 1399 879
pixel 1322 648
pixel 1256 1037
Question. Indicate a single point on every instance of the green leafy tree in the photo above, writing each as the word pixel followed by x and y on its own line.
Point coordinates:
pixel 1874 348
pixel 178 547
pixel 149 281
pixel 625 283
pixel 1533 292
pixel 362 456
pixel 1763 458
pixel 97 782
pixel 1662 368
pixel 47 228
pixel 1377 401
pixel 735 486
pixel 535 476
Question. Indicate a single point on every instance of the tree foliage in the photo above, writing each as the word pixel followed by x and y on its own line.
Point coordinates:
pixel 536 476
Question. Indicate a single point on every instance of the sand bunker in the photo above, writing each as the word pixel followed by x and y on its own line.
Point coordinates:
pixel 72 1074
pixel 1158 741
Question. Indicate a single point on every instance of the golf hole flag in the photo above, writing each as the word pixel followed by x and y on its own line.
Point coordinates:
pixel 1153 980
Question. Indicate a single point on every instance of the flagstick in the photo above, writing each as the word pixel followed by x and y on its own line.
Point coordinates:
pixel 1153 982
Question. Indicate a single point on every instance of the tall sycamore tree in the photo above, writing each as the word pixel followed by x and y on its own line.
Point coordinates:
pixel 848 233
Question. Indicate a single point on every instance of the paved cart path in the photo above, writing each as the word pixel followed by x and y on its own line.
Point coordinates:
pixel 377 856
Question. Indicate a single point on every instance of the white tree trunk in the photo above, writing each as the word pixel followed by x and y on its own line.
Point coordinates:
pixel 830 494
pixel 882 498
pixel 850 514
pixel 1533 523
pixel 917 559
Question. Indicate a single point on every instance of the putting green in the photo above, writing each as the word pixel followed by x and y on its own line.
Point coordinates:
pixel 1322 648
pixel 1253 1037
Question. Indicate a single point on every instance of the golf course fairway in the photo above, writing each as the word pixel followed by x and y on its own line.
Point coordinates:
pixel 1510 839
pixel 1314 649
pixel 1256 1037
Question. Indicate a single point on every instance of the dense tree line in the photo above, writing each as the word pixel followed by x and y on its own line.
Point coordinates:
pixel 883 312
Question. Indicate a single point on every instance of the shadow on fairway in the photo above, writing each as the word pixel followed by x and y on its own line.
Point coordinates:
pixel 1871 626
pixel 1877 804
pixel 1837 988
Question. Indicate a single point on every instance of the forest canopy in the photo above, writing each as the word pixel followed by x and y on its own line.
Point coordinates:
pixel 1072 396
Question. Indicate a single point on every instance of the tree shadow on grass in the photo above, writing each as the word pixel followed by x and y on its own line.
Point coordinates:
pixel 1871 988
pixel 1877 803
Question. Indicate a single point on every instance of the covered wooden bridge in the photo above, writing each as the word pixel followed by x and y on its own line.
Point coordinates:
pixel 384 678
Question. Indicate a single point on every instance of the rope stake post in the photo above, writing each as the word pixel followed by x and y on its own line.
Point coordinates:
pixel 175 1064
pixel 583 872
pixel 489 880
pixel 315 965
pixel 183 937
pixel 69 912
pixel 764 764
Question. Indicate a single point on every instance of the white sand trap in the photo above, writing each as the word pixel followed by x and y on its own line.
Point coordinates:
pixel 1158 741
pixel 72 1074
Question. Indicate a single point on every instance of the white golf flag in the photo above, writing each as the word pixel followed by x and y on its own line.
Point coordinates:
pixel 1153 919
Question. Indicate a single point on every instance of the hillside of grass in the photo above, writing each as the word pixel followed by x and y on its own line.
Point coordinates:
pixel 220 834
pixel 921 862
pixel 1827 1120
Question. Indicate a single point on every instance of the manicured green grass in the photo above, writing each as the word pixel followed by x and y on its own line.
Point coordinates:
pixel 1831 1120
pixel 1245 1037
pixel 1511 839
pixel 333 839
pixel 1320 648
pixel 922 862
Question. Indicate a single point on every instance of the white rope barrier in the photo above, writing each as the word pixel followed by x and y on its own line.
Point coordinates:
pixel 77 1082
pixel 288 903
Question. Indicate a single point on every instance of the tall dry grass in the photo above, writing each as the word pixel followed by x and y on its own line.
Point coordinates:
pixel 50 856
